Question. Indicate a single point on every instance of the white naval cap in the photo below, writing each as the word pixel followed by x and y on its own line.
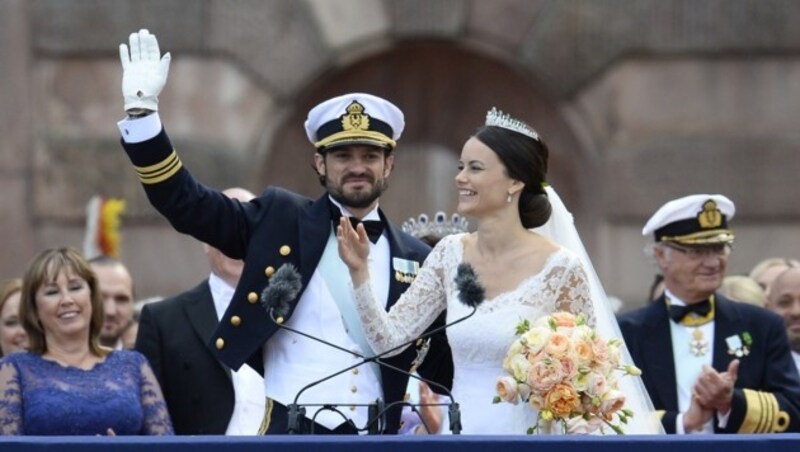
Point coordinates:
pixel 355 118
pixel 693 220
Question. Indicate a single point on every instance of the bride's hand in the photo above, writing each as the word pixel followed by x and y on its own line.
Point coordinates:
pixel 353 250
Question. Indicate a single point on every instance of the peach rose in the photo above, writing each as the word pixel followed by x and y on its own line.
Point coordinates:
pixel 507 390
pixel 562 400
pixel 613 401
pixel 544 374
pixel 557 345
pixel 599 351
pixel 569 367
pixel 564 319
pixel 582 352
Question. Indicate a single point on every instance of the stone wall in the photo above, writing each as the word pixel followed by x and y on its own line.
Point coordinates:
pixel 640 101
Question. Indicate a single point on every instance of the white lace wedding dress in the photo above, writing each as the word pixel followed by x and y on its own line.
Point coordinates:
pixel 479 343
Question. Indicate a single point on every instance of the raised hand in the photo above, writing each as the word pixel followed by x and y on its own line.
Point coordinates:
pixel 144 72
pixel 715 389
pixel 354 250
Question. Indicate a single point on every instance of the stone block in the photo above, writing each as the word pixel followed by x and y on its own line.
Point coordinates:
pixel 99 26
pixel 434 18
pixel 276 41
pixel 355 23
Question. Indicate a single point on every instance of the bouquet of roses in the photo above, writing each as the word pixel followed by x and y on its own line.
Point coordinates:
pixel 562 368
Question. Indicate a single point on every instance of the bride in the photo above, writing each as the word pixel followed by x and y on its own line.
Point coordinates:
pixel 525 274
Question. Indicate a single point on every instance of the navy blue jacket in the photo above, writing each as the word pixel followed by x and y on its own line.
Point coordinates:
pixel 277 227
pixel 197 388
pixel 767 391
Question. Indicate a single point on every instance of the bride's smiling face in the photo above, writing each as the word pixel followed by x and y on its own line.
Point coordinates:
pixel 482 182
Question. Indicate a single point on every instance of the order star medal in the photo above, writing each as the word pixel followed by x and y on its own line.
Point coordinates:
pixel 698 345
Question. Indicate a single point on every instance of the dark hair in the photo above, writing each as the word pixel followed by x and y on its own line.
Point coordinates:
pixel 525 160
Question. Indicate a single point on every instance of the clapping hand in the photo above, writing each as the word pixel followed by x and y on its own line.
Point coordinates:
pixel 354 250
pixel 697 416
pixel 714 390
pixel 144 72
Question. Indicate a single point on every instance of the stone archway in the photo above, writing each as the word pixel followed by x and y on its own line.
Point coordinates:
pixel 444 91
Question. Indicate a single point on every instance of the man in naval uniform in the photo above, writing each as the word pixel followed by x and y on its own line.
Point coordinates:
pixel 354 136
pixel 711 365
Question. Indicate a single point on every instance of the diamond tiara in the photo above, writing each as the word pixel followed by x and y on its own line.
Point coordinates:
pixel 437 229
pixel 497 118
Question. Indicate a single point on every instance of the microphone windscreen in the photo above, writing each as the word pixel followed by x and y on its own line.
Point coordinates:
pixel 470 290
pixel 283 288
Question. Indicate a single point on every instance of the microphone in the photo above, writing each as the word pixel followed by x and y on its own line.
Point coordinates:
pixel 277 299
pixel 283 288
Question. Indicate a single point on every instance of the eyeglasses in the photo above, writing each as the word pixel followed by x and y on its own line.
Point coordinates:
pixel 702 252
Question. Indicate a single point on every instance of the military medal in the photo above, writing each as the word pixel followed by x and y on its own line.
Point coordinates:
pixel 736 347
pixel 698 345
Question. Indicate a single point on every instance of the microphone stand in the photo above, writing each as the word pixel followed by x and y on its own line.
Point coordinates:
pixel 295 411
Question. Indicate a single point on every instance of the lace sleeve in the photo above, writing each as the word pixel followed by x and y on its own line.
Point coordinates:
pixel 10 400
pixel 156 416
pixel 573 294
pixel 416 309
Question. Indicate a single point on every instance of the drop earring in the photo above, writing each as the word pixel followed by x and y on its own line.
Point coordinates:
pixel 508 200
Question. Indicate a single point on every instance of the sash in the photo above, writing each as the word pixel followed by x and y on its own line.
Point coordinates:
pixel 336 274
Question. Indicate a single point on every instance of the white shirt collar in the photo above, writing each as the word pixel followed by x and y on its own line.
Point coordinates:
pixel 221 292
pixel 372 215
pixel 673 300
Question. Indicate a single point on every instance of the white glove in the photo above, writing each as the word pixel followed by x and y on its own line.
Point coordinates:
pixel 144 72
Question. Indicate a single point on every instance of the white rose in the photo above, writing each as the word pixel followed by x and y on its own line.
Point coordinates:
pixel 536 338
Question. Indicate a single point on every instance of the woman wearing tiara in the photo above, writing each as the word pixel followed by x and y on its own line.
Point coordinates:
pixel 525 274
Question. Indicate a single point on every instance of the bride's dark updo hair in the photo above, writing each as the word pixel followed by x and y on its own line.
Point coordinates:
pixel 525 160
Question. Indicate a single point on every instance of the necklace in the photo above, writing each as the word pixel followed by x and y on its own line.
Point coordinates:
pixel 83 362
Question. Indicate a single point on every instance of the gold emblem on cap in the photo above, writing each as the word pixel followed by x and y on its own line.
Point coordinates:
pixel 355 119
pixel 710 216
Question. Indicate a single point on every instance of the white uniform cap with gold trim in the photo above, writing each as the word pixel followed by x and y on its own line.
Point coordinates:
pixel 355 118
pixel 693 220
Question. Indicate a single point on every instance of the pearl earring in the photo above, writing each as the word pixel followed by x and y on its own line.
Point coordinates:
pixel 508 200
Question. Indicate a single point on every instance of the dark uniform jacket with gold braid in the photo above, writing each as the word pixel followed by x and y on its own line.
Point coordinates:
pixel 767 391
pixel 275 228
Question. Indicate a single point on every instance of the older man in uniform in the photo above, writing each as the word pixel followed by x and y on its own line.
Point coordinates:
pixel 712 365
pixel 354 136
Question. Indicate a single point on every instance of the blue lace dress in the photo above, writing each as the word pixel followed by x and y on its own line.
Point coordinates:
pixel 41 397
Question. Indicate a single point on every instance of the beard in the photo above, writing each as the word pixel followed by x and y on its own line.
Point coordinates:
pixel 358 199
